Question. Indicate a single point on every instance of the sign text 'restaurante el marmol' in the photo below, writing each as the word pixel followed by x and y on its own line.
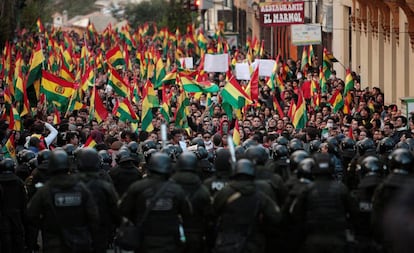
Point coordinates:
pixel 282 13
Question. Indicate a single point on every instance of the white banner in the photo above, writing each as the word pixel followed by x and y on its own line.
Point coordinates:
pixel 265 66
pixel 307 34
pixel 187 62
pixel 242 71
pixel 216 63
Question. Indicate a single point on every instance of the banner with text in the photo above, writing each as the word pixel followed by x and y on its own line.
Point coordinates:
pixel 282 13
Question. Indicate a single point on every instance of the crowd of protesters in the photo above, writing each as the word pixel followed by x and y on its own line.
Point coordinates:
pixel 214 195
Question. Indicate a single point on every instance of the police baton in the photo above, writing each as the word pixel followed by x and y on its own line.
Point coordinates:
pixel 164 135
pixel 230 144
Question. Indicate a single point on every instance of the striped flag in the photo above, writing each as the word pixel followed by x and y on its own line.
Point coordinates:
pixel 233 94
pixel 124 111
pixel 117 83
pixel 115 57
pixel 57 90
pixel 300 116
pixel 236 134
pixel 149 101
pixel 9 149
pixel 336 101
pixel 90 142
pixel 97 109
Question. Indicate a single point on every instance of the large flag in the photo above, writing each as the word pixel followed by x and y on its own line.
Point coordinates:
pixel 305 60
pixel 236 133
pixel 57 90
pixel 300 117
pixel 115 57
pixel 90 142
pixel 97 109
pixel 277 107
pixel 165 105
pixel 234 95
pixel 254 85
pixel 34 75
pixel 326 64
pixel 349 82
pixel 149 101
pixel 9 149
pixel 336 101
pixel 182 110
pixel 124 111
pixel 117 83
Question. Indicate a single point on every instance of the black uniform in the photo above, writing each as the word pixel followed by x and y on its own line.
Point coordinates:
pixel 323 209
pixel 243 212
pixel 162 224
pixel 37 179
pixel 12 213
pixel 123 175
pixel 74 207
pixel 106 199
pixel 195 226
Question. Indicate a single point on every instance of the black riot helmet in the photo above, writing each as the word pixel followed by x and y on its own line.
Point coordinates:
pixel 88 159
pixel 402 144
pixel 106 158
pixel 348 144
pixel 198 141
pixel 58 162
pixel 305 168
pixel 148 144
pixel 160 163
pixel 371 165
pixel 401 159
pixel 123 155
pixel 280 151
pixel 282 140
pixel 201 153
pixel 245 167
pixel 257 154
pixel 239 150
pixel 333 144
pixel 187 161
pixel 148 154
pixel 296 157
pixel 314 146
pixel 133 146
pixel 43 156
pixel 7 166
pixel 410 142
pixel 324 164
pixel 69 149
pixel 248 143
pixel 385 146
pixel 25 156
pixel 294 145
pixel 365 145
pixel 223 160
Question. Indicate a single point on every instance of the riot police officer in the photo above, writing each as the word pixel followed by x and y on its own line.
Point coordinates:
pixel 324 209
pixel 294 160
pixel 125 173
pixel 401 163
pixel 195 225
pixel 13 208
pixel 371 172
pixel 161 226
pixel 280 162
pixel 133 148
pixel 64 209
pixel 242 212
pixel 223 171
pixel 104 193
pixel 39 175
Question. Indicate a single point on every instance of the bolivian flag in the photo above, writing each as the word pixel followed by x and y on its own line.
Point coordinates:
pixel 336 101
pixel 115 57
pixel 90 142
pixel 233 94
pixel 56 89
pixel 124 111
pixel 9 149
pixel 117 83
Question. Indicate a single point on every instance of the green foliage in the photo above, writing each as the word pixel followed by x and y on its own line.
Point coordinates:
pixel 169 14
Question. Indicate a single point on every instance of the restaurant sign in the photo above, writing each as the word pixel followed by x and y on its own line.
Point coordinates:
pixel 282 13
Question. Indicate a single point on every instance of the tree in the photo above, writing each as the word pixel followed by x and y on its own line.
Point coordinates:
pixel 170 14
